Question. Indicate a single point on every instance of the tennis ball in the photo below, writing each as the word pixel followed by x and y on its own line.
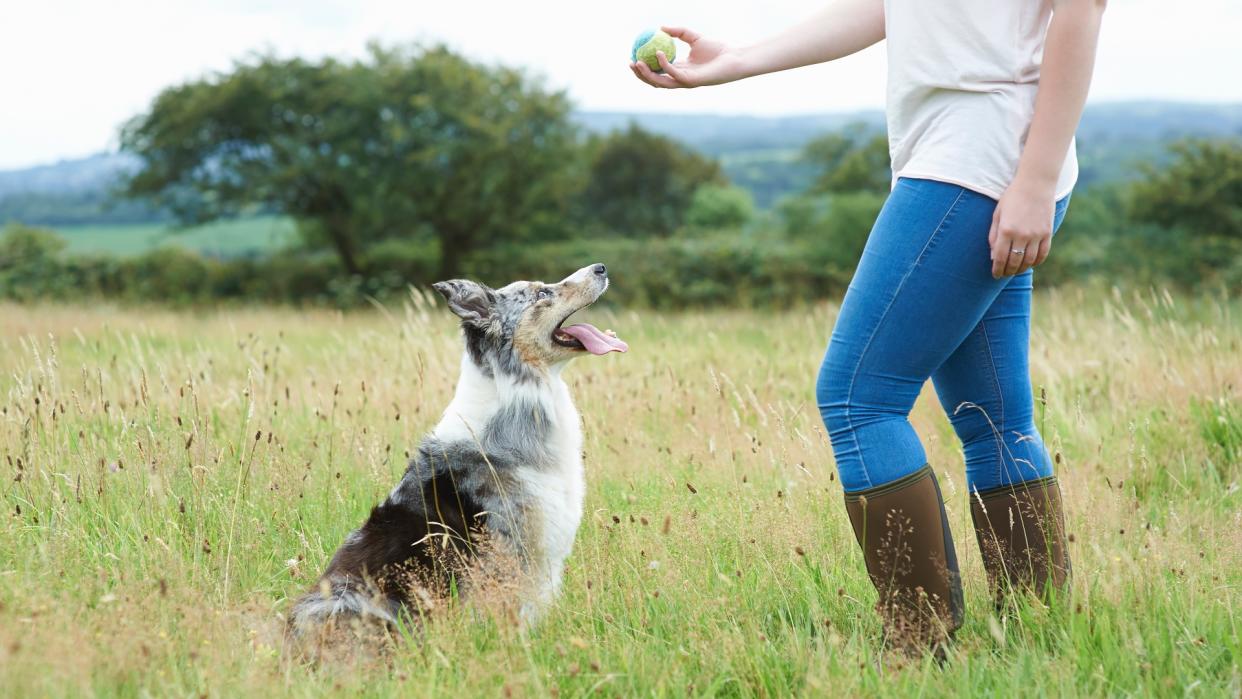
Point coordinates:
pixel 646 45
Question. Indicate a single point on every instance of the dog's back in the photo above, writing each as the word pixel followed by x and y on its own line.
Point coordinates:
pixel 410 549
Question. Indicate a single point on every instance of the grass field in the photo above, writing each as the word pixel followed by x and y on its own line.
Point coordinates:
pixel 170 481
pixel 232 238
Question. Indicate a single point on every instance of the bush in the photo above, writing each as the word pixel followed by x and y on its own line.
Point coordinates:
pixel 831 229
pixel 30 263
pixel 23 245
pixel 170 274
pixel 1101 239
pixel 715 207
pixel 807 249
pixel 721 269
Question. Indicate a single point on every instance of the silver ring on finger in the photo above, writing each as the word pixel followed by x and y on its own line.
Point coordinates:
pixel 1017 251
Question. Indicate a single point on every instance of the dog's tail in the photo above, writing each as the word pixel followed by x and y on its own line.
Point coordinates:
pixel 383 573
pixel 342 598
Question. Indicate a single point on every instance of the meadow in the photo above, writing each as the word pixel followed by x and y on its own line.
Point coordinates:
pixel 229 238
pixel 171 480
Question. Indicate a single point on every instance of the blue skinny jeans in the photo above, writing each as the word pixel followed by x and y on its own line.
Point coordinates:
pixel 923 304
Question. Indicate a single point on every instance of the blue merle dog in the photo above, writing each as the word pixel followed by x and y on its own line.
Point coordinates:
pixel 500 475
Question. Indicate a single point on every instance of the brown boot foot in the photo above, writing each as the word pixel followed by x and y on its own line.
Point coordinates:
pixel 1021 533
pixel 908 549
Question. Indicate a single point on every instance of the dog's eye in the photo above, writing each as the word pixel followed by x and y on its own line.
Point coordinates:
pixel 545 293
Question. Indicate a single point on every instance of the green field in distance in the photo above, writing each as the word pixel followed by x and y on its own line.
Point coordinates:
pixel 229 238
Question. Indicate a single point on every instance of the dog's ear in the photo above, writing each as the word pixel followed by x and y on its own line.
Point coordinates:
pixel 471 301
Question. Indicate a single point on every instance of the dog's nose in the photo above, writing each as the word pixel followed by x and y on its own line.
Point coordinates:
pixel 600 270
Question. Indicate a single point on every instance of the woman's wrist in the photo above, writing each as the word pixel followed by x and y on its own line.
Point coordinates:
pixel 1035 184
pixel 738 64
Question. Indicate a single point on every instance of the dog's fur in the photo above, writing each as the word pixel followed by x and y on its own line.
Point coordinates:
pixel 501 475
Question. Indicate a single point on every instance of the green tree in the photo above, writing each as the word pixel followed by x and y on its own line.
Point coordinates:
pixel 831 229
pixel 854 159
pixel 404 143
pixel 1186 215
pixel 1200 190
pixel 641 184
pixel 832 219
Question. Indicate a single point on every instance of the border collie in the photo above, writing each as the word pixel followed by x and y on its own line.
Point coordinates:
pixel 499 478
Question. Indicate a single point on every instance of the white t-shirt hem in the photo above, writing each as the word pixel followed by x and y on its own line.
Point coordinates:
pixel 985 190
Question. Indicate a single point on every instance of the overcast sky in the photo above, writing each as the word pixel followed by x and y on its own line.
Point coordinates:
pixel 71 71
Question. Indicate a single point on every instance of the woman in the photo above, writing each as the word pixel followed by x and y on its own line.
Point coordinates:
pixel 983 101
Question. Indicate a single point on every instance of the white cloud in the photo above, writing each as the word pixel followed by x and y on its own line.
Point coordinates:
pixel 74 70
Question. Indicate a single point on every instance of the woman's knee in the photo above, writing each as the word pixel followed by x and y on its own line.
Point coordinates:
pixel 974 423
pixel 832 389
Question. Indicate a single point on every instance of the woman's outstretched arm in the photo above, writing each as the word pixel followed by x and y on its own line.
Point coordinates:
pixel 843 28
pixel 1023 218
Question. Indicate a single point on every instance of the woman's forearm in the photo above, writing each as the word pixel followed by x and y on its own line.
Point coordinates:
pixel 842 28
pixel 1069 58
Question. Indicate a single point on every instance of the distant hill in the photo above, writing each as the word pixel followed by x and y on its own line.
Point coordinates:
pixel 758 153
pixel 72 192
pixel 761 153
pixel 91 173
pixel 1110 121
pixel 1159 120
pixel 721 135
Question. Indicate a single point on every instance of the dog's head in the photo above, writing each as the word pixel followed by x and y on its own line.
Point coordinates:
pixel 519 329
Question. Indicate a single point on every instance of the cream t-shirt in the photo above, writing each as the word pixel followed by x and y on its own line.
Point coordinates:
pixel 962 77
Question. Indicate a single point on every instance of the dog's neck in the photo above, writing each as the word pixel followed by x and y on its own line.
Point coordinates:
pixel 480 396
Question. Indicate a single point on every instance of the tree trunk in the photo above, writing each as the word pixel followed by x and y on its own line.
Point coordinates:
pixel 343 245
pixel 453 247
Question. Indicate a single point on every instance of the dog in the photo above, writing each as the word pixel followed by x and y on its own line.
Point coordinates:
pixel 499 477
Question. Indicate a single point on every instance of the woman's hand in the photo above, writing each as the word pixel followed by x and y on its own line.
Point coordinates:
pixel 1021 234
pixel 710 63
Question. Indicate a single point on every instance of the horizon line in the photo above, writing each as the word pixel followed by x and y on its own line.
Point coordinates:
pixel 870 111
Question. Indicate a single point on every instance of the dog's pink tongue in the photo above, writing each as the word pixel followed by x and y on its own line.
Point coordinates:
pixel 595 341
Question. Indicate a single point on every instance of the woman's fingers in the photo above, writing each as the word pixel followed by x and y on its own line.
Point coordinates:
pixel 672 71
pixel 994 244
pixel 639 74
pixel 1014 253
pixel 687 35
pixel 1032 254
pixel 649 76
pixel 1019 248
pixel 1045 247
pixel 1000 254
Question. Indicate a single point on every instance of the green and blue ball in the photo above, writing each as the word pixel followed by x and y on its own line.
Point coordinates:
pixel 646 45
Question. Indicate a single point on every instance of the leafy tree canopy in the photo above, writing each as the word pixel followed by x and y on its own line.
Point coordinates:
pixel 406 142
pixel 854 159
pixel 1200 190
pixel 642 184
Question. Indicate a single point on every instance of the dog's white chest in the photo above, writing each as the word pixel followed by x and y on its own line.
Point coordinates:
pixel 556 491
pixel 551 491
pixel 559 487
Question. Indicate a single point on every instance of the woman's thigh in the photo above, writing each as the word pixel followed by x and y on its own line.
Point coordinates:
pixel 922 285
pixel 985 387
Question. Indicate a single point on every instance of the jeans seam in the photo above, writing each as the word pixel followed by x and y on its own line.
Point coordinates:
pixel 1000 397
pixel 849 397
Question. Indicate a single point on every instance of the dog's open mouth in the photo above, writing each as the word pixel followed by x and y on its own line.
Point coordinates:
pixel 587 337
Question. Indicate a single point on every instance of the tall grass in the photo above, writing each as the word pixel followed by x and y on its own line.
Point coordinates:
pixel 171 481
